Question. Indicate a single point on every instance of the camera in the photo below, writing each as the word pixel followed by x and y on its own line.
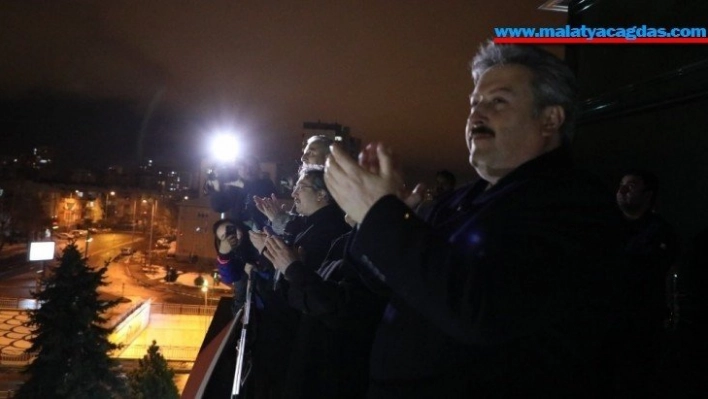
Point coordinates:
pixel 220 176
pixel 230 230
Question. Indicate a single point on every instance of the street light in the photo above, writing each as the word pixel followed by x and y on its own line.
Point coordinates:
pixel 152 227
pixel 88 240
pixel 205 290
pixel 105 205
pixel 135 223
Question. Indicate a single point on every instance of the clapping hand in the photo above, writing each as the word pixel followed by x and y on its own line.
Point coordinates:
pixel 415 197
pixel 279 254
pixel 269 206
pixel 369 160
pixel 258 239
pixel 357 187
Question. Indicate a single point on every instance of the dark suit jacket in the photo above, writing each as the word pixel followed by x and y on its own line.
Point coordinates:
pixel 287 342
pixel 317 233
pixel 503 291
pixel 339 318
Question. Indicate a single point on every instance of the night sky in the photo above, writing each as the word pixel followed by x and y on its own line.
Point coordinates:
pixel 121 80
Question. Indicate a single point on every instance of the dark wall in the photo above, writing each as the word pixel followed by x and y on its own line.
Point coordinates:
pixel 647 105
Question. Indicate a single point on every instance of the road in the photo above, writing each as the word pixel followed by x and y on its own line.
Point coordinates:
pixel 125 278
pixel 18 278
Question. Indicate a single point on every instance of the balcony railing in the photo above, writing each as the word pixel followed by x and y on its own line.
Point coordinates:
pixel 213 372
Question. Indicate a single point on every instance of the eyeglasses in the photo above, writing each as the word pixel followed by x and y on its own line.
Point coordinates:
pixel 299 187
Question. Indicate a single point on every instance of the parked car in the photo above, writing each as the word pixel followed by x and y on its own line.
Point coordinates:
pixel 172 250
pixel 64 236
pixel 79 233
pixel 163 242
pixel 127 251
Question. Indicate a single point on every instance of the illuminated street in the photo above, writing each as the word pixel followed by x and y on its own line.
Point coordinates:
pixel 178 321
pixel 125 276
pixel 178 328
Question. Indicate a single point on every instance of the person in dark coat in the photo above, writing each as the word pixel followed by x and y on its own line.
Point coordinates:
pixel 289 223
pixel 337 326
pixel 275 323
pixel 652 249
pixel 322 219
pixel 652 242
pixel 507 289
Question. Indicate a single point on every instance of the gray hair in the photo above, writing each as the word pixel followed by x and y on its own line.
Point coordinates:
pixel 315 174
pixel 553 82
pixel 320 138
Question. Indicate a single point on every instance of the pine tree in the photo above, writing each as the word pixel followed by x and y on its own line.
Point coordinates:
pixel 153 378
pixel 69 341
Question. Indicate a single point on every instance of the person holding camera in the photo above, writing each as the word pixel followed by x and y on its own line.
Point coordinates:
pixel 236 198
pixel 234 251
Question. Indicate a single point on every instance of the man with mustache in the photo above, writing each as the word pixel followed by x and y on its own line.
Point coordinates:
pixel 506 289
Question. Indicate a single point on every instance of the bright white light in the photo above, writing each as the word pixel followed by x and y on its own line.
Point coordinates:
pixel 41 250
pixel 225 147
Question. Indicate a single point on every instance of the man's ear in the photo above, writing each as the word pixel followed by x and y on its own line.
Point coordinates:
pixel 552 119
pixel 325 196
